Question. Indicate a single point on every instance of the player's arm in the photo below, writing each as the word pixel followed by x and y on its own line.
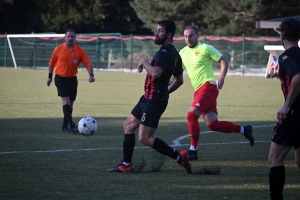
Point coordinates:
pixel 176 83
pixel 88 65
pixel 91 73
pixel 224 69
pixel 177 78
pixel 153 71
pixel 50 74
pixel 293 94
pixel 52 63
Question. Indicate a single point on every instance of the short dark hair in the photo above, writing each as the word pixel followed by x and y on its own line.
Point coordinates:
pixel 70 30
pixel 169 25
pixel 290 28
pixel 192 27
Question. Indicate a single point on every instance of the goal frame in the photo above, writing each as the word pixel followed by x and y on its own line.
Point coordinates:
pixel 26 36
pixel 80 37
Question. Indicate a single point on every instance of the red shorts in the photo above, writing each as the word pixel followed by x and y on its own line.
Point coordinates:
pixel 205 98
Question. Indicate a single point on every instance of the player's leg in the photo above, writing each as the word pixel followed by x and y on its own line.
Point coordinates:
pixel 204 98
pixel 197 107
pixel 68 102
pixel 194 131
pixel 152 111
pixel 213 124
pixel 129 126
pixel 276 158
pixel 275 70
pixel 146 137
pixel 270 68
pixel 62 85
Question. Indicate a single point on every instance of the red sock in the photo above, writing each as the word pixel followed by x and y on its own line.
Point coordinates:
pixel 194 128
pixel 224 126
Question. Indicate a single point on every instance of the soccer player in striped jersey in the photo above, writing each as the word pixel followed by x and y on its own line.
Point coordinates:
pixel 147 112
pixel 287 130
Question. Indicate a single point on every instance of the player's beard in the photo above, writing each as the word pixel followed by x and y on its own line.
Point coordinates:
pixel 192 44
pixel 160 41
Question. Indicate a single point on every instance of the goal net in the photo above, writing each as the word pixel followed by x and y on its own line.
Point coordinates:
pixel 35 50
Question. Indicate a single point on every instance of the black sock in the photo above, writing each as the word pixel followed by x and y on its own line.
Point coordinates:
pixel 68 114
pixel 65 121
pixel 128 147
pixel 161 147
pixel 276 182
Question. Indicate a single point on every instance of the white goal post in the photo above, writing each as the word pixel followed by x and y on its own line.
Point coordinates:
pixel 9 36
pixel 35 50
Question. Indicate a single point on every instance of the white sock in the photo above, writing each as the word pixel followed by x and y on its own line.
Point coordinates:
pixel 193 148
pixel 126 163
pixel 242 130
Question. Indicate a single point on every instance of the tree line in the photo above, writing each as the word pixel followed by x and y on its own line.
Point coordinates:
pixel 139 17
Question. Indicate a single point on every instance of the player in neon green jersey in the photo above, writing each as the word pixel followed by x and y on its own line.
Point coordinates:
pixel 197 59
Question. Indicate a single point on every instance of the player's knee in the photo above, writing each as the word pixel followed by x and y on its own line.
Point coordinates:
pixel 213 126
pixel 127 126
pixel 270 159
pixel 130 125
pixel 274 160
pixel 191 116
pixel 144 140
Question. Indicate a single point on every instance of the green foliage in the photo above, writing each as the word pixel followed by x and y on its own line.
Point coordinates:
pixel 19 16
pixel 183 12
pixel 212 17
pixel 215 17
pixel 91 16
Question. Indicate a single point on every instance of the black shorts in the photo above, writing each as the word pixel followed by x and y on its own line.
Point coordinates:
pixel 149 111
pixel 66 87
pixel 285 134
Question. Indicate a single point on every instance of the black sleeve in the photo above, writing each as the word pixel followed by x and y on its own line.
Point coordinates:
pixel 178 71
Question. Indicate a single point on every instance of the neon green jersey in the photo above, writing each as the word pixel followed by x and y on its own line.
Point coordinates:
pixel 198 63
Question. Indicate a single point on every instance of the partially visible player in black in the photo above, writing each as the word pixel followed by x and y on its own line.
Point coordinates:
pixel 287 130
pixel 146 114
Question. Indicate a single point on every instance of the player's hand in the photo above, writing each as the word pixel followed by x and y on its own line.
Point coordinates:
pixel 220 83
pixel 91 79
pixel 49 80
pixel 282 112
pixel 141 65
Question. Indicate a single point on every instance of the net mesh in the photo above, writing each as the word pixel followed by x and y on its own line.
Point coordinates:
pixel 115 51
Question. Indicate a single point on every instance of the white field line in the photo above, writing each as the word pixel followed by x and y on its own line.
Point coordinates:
pixel 176 143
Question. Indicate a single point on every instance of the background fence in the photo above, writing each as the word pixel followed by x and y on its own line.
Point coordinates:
pixel 123 52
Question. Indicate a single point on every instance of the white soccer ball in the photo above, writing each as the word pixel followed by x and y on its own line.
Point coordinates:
pixel 87 126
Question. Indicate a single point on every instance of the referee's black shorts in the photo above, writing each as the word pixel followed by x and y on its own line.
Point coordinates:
pixel 287 134
pixel 66 87
pixel 149 111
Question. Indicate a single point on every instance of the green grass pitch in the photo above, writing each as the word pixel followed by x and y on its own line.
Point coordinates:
pixel 38 161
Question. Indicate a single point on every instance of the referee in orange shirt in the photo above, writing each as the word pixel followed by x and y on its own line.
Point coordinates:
pixel 64 62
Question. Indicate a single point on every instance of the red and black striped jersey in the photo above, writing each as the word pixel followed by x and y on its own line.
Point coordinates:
pixel 168 59
pixel 289 66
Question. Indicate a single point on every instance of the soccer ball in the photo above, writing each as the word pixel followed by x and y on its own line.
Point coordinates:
pixel 87 126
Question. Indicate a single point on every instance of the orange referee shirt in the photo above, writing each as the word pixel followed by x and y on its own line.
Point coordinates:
pixel 66 62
